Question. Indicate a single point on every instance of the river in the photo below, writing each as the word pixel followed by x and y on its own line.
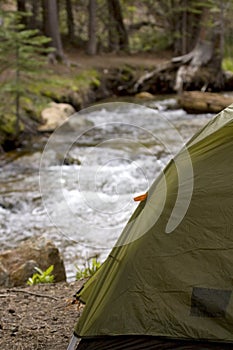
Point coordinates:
pixel 78 191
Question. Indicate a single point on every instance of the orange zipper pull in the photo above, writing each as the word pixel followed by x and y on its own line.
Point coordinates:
pixel 141 198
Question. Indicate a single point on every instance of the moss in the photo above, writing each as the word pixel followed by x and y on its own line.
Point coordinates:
pixel 95 82
pixel 86 79
pixel 227 64
pixel 33 106
pixel 68 87
pixel 8 125
pixel 61 88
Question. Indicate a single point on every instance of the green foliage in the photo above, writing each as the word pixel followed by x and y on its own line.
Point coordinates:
pixel 147 39
pixel 7 123
pixel 89 269
pixel 87 78
pixel 228 64
pixel 21 60
pixel 41 276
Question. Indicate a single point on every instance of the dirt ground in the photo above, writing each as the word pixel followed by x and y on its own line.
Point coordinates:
pixel 80 61
pixel 38 317
pixel 113 60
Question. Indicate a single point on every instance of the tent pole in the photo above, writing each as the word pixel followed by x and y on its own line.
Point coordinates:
pixel 73 343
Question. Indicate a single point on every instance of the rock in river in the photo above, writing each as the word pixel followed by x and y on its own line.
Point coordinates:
pixel 55 115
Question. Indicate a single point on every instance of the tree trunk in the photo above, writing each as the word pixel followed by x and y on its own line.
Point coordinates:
pixel 200 69
pixel 203 63
pixel 21 7
pixel 91 46
pixel 51 27
pixel 183 21
pixel 70 21
pixel 33 20
pixel 118 37
pixel 184 28
pixel 112 31
pixel 17 93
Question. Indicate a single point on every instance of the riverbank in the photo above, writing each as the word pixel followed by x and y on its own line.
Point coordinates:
pixel 39 317
pixel 84 80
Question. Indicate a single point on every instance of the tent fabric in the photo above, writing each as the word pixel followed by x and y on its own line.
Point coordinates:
pixel 178 284
pixel 148 343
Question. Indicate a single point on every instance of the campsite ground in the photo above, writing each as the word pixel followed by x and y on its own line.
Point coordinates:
pixel 39 317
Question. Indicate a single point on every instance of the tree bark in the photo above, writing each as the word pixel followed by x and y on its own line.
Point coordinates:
pixel 70 21
pixel 51 27
pixel 112 31
pixel 206 57
pixel 92 44
pixel 200 69
pixel 118 37
pixel 182 22
pixel 184 28
pixel 21 7
pixel 33 20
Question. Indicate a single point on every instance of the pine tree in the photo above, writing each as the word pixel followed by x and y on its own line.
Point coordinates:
pixel 20 59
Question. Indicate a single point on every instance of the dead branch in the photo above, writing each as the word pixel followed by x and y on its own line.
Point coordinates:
pixel 32 293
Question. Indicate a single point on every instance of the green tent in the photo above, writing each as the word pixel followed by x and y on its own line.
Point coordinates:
pixel 169 280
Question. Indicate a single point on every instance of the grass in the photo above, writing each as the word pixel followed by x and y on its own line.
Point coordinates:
pixel 88 270
pixel 228 63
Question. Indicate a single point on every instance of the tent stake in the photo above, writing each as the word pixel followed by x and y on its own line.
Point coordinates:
pixel 73 343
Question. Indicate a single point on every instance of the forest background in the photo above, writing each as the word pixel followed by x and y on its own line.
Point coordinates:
pixel 44 45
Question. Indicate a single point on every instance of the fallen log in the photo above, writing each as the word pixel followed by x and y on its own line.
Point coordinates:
pixel 203 102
